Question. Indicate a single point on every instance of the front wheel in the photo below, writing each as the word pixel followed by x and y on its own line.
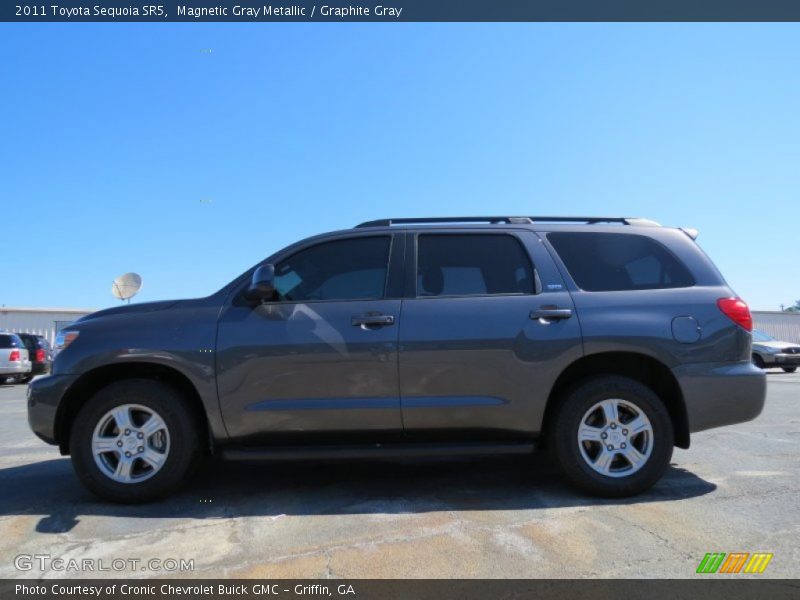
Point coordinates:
pixel 758 361
pixel 790 369
pixel 612 436
pixel 134 441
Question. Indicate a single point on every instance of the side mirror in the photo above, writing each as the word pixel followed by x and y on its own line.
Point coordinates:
pixel 262 284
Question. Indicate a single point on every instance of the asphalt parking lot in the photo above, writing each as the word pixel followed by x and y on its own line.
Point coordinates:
pixel 736 489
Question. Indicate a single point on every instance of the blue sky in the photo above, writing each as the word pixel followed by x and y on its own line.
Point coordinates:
pixel 188 152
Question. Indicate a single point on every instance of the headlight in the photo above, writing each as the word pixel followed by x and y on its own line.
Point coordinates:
pixel 769 350
pixel 64 339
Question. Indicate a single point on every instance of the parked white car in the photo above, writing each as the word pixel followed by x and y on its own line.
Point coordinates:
pixel 771 353
pixel 15 362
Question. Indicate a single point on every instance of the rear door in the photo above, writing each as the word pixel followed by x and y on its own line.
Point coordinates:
pixel 487 328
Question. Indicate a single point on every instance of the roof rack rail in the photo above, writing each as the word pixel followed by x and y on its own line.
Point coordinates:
pixel 510 221
pixel 595 220
pixel 421 220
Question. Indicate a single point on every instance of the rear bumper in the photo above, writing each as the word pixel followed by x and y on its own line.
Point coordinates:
pixel 718 394
pixel 18 368
pixel 40 368
pixel 44 397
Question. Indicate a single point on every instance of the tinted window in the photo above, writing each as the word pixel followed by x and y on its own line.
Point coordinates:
pixel 30 342
pixel 342 270
pixel 9 341
pixel 460 265
pixel 600 262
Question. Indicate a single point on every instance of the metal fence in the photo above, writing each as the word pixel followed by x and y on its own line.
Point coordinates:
pixel 784 326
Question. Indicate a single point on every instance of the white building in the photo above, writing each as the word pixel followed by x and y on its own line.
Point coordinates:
pixel 39 321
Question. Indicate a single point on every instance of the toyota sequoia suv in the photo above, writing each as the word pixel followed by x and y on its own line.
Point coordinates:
pixel 606 341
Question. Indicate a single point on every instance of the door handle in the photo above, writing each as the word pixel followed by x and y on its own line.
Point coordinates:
pixel 372 320
pixel 547 313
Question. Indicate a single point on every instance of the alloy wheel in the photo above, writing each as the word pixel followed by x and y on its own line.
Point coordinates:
pixel 615 438
pixel 130 443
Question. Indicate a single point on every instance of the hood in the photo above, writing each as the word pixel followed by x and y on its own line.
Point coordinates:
pixel 129 309
pixel 776 344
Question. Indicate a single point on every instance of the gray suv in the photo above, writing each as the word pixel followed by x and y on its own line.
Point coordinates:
pixel 606 341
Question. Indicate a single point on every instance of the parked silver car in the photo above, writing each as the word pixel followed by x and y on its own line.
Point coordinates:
pixel 15 362
pixel 770 353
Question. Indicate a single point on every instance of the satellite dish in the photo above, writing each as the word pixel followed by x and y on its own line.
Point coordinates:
pixel 126 286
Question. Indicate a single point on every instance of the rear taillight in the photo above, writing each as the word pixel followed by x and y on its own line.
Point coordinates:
pixel 39 355
pixel 14 356
pixel 737 311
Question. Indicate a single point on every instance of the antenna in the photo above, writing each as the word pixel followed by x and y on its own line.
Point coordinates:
pixel 126 286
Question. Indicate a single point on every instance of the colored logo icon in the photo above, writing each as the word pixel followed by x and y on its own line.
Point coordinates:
pixel 735 562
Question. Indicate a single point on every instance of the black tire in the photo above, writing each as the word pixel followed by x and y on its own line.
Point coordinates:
pixel 567 450
pixel 758 361
pixel 26 379
pixel 183 429
pixel 790 369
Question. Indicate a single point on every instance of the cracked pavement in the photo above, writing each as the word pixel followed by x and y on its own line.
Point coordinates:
pixel 735 490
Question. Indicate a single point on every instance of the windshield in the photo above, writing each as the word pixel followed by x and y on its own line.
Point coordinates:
pixel 760 336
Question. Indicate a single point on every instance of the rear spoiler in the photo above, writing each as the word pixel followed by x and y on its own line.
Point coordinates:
pixel 690 231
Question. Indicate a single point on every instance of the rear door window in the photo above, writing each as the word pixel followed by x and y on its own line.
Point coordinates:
pixel 471 265
pixel 603 262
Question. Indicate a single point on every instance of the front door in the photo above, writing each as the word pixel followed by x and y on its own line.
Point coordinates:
pixel 320 360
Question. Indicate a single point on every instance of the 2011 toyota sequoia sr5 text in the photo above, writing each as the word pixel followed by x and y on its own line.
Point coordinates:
pixel 606 340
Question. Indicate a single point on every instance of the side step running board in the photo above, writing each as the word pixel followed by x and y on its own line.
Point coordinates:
pixel 279 453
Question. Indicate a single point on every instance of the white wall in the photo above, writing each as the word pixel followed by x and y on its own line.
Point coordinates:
pixel 784 326
pixel 39 321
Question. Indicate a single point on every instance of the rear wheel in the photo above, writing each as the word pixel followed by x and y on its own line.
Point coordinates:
pixel 758 361
pixel 790 369
pixel 134 441
pixel 612 436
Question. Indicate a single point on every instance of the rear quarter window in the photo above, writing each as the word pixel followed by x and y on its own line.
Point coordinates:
pixel 604 262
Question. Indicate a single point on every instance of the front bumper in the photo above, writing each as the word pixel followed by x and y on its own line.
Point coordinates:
pixel 718 394
pixel 44 397
pixel 781 360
